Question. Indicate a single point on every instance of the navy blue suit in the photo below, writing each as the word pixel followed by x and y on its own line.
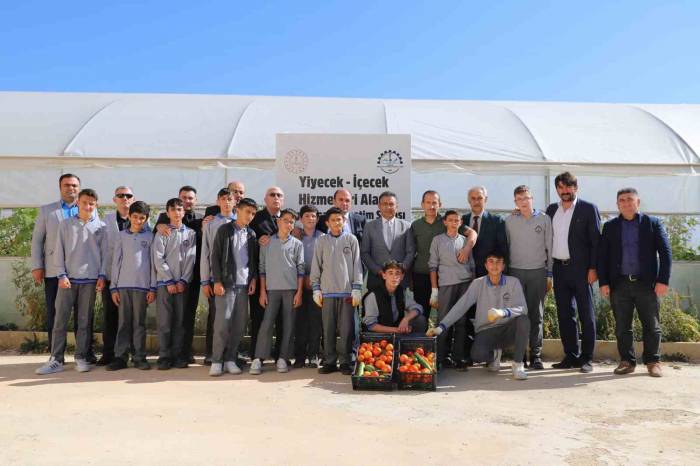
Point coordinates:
pixel 491 237
pixel 571 280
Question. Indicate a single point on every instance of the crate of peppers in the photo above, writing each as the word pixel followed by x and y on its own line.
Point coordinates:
pixel 374 362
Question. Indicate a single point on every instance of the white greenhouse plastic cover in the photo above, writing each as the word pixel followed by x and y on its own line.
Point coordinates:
pixel 158 142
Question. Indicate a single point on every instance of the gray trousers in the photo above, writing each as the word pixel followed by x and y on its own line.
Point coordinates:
pixel 447 297
pixel 337 314
pixel 132 325
pixel 170 312
pixel 534 284
pixel 66 298
pixel 277 300
pixel 514 332
pixel 229 324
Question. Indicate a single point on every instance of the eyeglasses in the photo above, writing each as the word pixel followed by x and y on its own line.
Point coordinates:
pixel 276 195
pixel 124 195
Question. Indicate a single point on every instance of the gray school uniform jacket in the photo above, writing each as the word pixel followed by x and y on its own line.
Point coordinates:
pixel 530 241
pixel 507 295
pixel 81 250
pixel 336 269
pixel 208 234
pixel 131 262
pixel 173 256
pixel 281 263
pixel 44 238
pixel 112 233
pixel 443 260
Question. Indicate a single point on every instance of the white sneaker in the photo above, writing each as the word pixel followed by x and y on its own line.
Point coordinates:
pixel 255 367
pixel 519 371
pixel 81 365
pixel 232 368
pixel 216 369
pixel 495 365
pixel 282 365
pixel 315 362
pixel 50 367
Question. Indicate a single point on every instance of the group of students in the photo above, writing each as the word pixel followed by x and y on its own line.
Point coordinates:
pixel 308 284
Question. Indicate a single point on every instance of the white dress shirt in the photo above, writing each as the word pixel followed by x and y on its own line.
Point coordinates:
pixel 560 228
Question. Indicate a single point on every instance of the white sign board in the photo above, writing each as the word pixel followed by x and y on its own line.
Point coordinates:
pixel 311 167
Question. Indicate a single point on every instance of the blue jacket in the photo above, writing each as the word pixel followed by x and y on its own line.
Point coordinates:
pixel 652 241
pixel 584 234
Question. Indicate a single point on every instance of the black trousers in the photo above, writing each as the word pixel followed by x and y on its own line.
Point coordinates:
pixel 190 314
pixel 257 313
pixel 571 286
pixel 50 292
pixel 422 290
pixel 308 328
pixel 624 299
pixel 110 323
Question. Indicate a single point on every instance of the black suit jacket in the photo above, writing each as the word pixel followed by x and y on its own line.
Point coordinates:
pixel 652 241
pixel 212 210
pixel 584 234
pixel 491 237
pixel 357 225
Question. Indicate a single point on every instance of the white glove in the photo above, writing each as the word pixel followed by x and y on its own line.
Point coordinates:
pixel 497 314
pixel 434 332
pixel 434 297
pixel 318 298
pixel 356 297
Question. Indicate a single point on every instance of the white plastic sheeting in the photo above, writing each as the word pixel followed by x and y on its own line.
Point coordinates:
pixel 157 142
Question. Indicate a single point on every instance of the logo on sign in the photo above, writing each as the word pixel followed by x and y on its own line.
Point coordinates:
pixel 389 161
pixel 296 161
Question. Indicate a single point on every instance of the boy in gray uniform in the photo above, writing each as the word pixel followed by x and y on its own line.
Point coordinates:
pixel 529 233
pixel 450 279
pixel 173 259
pixel 234 269
pixel 501 317
pixel 226 202
pixel 281 282
pixel 79 260
pixel 336 278
pixel 133 287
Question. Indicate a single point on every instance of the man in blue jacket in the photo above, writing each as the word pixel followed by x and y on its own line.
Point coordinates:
pixel 634 268
pixel 576 233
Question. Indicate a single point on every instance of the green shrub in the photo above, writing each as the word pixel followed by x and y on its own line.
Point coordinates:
pixel 550 321
pixel 34 345
pixel 30 300
pixel 16 233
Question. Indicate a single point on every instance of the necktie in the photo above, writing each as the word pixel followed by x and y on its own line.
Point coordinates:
pixel 389 235
pixel 475 224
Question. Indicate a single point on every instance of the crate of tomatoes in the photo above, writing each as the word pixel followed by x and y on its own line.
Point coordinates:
pixel 374 366
pixel 417 363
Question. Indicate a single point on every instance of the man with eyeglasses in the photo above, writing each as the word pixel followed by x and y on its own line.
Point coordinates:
pixel 116 221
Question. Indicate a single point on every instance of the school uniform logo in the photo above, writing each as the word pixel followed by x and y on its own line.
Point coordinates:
pixel 144 244
pixel 538 229
pixel 347 250
pixel 186 243
pixel 506 297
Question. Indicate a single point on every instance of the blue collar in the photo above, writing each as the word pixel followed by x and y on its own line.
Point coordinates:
pixel 501 282
pixel 230 217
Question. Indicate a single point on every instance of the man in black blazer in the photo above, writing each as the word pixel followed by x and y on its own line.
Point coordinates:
pixel 576 233
pixel 354 223
pixel 634 268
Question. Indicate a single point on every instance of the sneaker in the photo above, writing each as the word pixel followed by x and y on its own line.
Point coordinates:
pixel 81 365
pixel 654 369
pixel 207 360
pixel 299 363
pixel 216 369
pixel 255 367
pixel 181 364
pixel 345 369
pixel 232 368
pixel 567 363
pixel 142 365
pixel 495 364
pixel 625 367
pixel 461 366
pixel 519 371
pixel 163 364
pixel 315 362
pixel 328 369
pixel 116 364
pixel 587 367
pixel 282 366
pixel 104 361
pixel 536 364
pixel 191 360
pixel 50 367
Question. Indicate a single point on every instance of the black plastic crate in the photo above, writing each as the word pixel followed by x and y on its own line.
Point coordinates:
pixel 384 382
pixel 414 380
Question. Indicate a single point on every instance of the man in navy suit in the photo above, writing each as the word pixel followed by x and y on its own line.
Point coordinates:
pixel 354 223
pixel 634 268
pixel 576 228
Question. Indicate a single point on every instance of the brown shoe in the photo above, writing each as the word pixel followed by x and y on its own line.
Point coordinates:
pixel 654 369
pixel 625 367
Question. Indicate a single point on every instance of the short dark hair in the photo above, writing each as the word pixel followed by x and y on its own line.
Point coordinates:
pixel 627 191
pixel 429 192
pixel 392 264
pixel 497 253
pixel 566 178
pixel 174 202
pixel 521 189
pixel 223 192
pixel 291 212
pixel 67 175
pixel 140 207
pixel 187 188
pixel 308 208
pixel 247 202
pixel 386 194
pixel 450 212
pixel 88 192
pixel 332 211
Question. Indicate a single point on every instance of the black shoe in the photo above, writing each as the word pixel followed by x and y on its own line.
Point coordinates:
pixel 328 369
pixel 91 359
pixel 448 362
pixel 142 365
pixel 345 369
pixel 191 360
pixel 469 362
pixel 207 361
pixel 116 364
pixel 567 363
pixel 525 362
pixel 536 364
pixel 104 361
pixel 461 366
pixel 181 364
pixel 163 364
pixel 587 367
pixel 298 363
